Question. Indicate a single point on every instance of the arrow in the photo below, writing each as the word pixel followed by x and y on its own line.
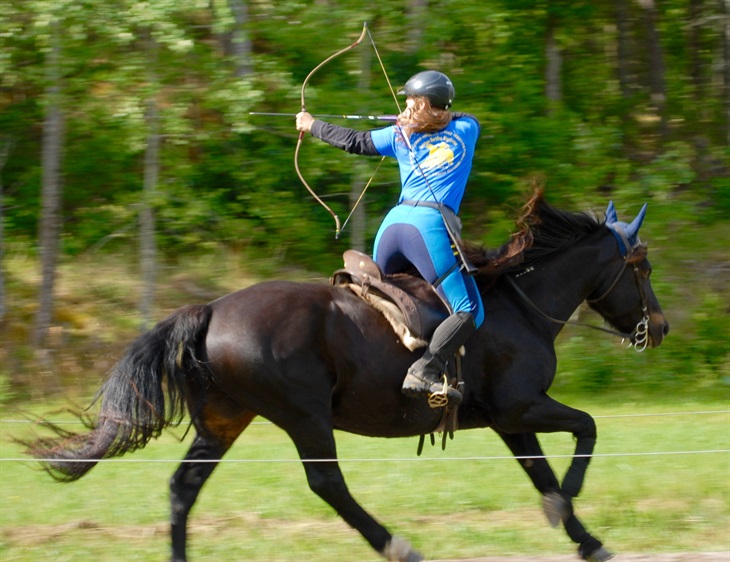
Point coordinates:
pixel 392 118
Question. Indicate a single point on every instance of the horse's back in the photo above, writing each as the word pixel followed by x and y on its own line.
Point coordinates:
pixel 281 346
pixel 276 317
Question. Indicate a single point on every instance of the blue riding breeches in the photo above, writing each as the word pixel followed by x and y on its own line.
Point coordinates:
pixel 417 236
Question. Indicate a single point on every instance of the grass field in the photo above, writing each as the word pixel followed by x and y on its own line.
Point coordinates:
pixel 658 484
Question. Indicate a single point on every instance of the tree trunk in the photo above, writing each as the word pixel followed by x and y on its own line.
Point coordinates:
pixel 50 220
pixel 553 65
pixel 358 220
pixel 416 11
pixel 148 246
pixel 725 11
pixel 4 153
pixel 240 43
pixel 695 47
pixel 657 85
pixel 623 51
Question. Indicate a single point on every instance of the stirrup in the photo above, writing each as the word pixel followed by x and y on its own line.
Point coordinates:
pixel 438 393
pixel 447 396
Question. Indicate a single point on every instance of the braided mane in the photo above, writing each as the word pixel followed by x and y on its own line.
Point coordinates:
pixel 542 231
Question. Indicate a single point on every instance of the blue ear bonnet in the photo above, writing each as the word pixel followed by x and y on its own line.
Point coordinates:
pixel 627 235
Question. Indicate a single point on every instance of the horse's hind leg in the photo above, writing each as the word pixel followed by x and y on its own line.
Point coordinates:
pixel 318 453
pixel 556 504
pixel 215 436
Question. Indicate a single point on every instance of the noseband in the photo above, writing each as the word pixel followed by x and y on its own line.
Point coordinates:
pixel 639 339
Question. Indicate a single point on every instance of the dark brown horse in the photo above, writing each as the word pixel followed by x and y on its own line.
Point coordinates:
pixel 313 358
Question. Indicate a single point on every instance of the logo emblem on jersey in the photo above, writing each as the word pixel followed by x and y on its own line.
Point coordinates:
pixel 438 155
pixel 443 152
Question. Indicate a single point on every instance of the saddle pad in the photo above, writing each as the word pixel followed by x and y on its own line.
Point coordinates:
pixel 392 314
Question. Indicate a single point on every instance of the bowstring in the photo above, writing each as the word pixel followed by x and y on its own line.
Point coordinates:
pixel 385 73
pixel 397 104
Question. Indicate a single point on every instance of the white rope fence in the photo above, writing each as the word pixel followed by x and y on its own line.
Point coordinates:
pixel 394 459
pixel 617 416
pixel 378 460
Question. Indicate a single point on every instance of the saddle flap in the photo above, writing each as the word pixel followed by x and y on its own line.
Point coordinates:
pixel 420 318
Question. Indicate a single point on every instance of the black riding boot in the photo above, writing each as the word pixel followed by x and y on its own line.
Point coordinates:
pixel 425 376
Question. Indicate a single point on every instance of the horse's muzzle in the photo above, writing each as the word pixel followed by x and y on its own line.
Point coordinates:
pixel 658 329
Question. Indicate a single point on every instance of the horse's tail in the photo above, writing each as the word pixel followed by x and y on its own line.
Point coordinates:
pixel 146 392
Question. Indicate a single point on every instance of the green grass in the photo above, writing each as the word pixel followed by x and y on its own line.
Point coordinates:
pixel 464 502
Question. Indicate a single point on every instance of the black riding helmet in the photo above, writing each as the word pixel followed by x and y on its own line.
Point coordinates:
pixel 436 86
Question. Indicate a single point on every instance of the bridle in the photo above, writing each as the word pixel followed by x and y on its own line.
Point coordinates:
pixel 640 334
pixel 639 338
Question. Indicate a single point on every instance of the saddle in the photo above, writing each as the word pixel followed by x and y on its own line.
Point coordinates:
pixel 411 305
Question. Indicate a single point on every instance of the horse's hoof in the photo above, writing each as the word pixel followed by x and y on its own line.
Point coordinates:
pixel 556 508
pixel 600 555
pixel 398 550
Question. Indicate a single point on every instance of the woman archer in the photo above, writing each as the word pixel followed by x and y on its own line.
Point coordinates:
pixel 434 148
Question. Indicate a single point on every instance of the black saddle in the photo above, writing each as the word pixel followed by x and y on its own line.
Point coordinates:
pixel 421 306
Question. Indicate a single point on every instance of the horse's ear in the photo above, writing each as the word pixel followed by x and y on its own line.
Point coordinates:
pixel 632 231
pixel 627 235
pixel 611 215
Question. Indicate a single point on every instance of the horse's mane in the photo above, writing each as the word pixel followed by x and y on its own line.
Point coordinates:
pixel 541 231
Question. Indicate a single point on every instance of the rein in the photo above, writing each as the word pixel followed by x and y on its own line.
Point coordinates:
pixel 558 321
pixel 641 332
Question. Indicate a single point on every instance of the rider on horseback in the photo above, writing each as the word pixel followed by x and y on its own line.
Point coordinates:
pixel 434 148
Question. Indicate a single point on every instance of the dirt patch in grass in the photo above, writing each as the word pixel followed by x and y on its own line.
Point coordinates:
pixel 40 534
pixel 675 557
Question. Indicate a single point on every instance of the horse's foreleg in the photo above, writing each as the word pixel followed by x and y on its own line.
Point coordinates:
pixel 549 416
pixel 546 417
pixel 526 448
pixel 326 480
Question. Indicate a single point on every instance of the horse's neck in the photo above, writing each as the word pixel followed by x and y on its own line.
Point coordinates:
pixel 559 285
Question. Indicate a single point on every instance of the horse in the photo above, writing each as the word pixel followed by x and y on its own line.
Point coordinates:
pixel 312 357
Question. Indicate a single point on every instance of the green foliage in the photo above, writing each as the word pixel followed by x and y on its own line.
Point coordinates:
pixel 710 354
pixel 495 53
pixel 228 186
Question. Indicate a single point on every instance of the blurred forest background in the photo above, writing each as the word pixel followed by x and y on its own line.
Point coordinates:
pixel 133 178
